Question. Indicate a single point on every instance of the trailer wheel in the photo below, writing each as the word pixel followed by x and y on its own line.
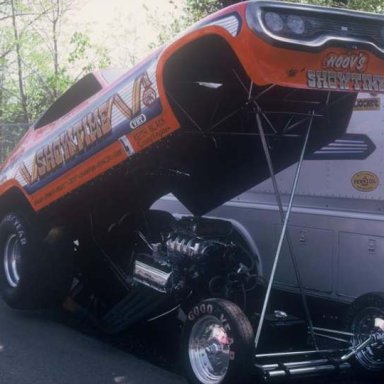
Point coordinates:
pixel 361 318
pixel 217 343
pixel 34 272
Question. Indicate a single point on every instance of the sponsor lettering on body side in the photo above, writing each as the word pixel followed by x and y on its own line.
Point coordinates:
pixel 90 130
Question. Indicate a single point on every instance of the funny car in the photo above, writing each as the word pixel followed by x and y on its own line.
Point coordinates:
pixel 239 96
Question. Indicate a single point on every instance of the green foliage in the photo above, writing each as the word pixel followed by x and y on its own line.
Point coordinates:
pixel 80 43
pixel 9 136
pixel 195 10
pixel 192 11
pixel 87 55
pixel 40 90
pixel 35 68
pixel 50 62
pixel 360 5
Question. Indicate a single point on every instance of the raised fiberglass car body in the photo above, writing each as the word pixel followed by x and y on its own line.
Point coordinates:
pixel 198 118
pixel 101 123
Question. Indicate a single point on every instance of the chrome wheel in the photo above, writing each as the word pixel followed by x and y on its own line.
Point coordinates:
pixel 372 357
pixel 12 257
pixel 209 350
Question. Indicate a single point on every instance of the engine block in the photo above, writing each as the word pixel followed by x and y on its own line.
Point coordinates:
pixel 182 244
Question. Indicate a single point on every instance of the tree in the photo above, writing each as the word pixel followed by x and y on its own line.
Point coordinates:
pixel 49 28
pixel 195 10
pixel 360 5
pixel 31 79
pixel 17 43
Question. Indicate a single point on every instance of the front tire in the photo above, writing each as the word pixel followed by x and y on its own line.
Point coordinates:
pixel 35 271
pixel 217 343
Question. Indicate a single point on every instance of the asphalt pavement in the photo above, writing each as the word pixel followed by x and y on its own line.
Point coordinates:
pixel 37 348
pixel 51 347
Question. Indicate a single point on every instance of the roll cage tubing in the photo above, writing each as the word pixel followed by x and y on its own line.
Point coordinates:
pixel 284 233
pixel 284 216
pixel 252 101
pixel 309 117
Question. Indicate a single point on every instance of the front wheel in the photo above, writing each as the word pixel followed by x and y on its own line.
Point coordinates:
pixel 35 271
pixel 217 343
pixel 361 321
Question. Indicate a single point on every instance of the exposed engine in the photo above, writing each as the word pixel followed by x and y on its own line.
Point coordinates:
pixel 158 262
pixel 199 255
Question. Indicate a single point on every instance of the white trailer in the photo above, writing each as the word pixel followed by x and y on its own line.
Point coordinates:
pixel 337 222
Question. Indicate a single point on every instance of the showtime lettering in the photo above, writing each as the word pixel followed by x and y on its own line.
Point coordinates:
pixel 75 140
pixel 345 81
pixel 90 130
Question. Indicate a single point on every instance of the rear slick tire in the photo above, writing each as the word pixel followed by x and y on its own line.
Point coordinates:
pixel 217 343
pixel 35 272
pixel 369 362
